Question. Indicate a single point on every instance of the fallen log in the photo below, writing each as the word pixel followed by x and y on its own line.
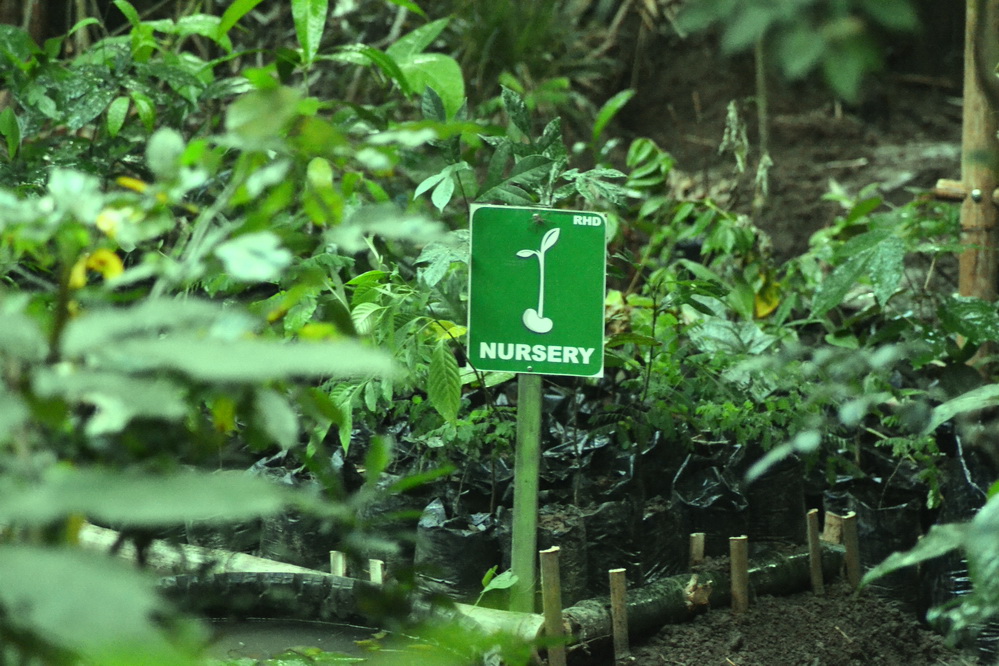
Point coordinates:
pixel 679 598
pixel 223 584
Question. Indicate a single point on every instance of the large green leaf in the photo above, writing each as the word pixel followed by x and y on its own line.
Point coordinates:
pixel 979 398
pixel 96 329
pixel 277 417
pixel 526 173
pixel 96 607
pixel 254 257
pixel 418 40
pixel 133 498
pixel 310 22
pixel 21 337
pixel 444 382
pixel 117 398
pixel 940 540
pixel 247 360
pixel 607 112
pixel 438 71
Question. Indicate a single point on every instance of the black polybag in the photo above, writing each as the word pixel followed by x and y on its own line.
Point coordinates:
pixel 707 491
pixel 453 554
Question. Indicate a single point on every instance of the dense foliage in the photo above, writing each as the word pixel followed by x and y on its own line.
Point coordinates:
pixel 212 246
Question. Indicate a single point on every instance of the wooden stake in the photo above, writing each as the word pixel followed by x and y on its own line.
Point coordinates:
pixel 619 612
pixel 832 530
pixel 338 563
pixel 376 571
pixel 738 548
pixel 815 552
pixel 851 545
pixel 696 548
pixel 551 604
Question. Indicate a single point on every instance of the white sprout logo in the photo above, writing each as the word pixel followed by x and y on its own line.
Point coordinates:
pixel 535 320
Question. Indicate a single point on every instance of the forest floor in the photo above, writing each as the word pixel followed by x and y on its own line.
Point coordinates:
pixel 836 629
pixel 903 137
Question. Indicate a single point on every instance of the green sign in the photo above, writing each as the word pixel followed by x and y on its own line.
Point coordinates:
pixel 536 290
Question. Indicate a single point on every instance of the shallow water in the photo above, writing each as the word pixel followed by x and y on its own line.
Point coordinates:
pixel 260 639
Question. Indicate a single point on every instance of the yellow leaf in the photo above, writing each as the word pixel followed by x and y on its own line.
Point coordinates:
pixel 767 299
pixel 105 262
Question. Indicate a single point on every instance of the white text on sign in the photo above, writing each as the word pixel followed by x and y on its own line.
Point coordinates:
pixel 509 351
pixel 587 220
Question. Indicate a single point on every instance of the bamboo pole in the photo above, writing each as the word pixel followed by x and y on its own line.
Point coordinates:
pixel 851 544
pixel 696 548
pixel 979 260
pixel 551 604
pixel 619 613
pixel 815 552
pixel 739 557
pixel 527 464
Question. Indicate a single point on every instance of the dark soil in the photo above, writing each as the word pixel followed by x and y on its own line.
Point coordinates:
pixel 903 135
pixel 804 629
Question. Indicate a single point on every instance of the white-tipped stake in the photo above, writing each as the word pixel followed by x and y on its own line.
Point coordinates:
pixel 696 548
pixel 551 603
pixel 338 563
pixel 619 612
pixel 815 552
pixel 738 548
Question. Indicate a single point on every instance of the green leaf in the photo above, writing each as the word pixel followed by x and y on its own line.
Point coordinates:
pixel 799 49
pixel 746 26
pixel 100 328
pixel 129 12
pixel 127 497
pixel 247 360
pixel 979 398
pixel 418 40
pixel 117 113
pixel 886 268
pixel 277 417
pixel 117 398
pixel 21 337
pixel 99 608
pixel 940 540
pixel 607 112
pixel 13 414
pixel 163 152
pixel 377 459
pixel 441 254
pixel 432 106
pixel 517 110
pixel 897 15
pixel 387 221
pixel 504 581
pixel 310 22
pixel 254 257
pixel 838 284
pixel 438 71
pixel 441 195
pixel 263 115
pixel 526 173
pixel 233 13
pixel 410 5
pixel 444 382
pixel 10 130
pixel 974 318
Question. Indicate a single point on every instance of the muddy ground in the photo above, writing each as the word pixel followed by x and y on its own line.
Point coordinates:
pixel 836 629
